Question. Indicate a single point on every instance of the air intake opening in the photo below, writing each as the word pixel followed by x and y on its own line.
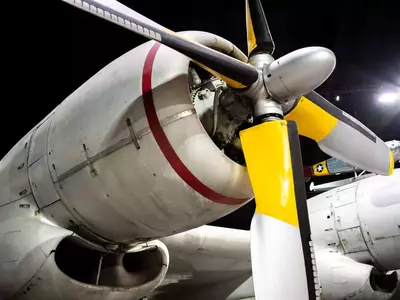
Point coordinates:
pixel 77 262
pixel 131 269
pixel 381 282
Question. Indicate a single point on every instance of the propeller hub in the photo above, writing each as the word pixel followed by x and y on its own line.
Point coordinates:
pixel 299 72
pixel 264 106
pixel 281 82
pixel 259 60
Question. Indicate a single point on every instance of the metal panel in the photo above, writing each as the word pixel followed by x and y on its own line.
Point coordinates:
pixel 42 185
pixel 346 195
pixel 323 229
pixel 13 173
pixel 25 207
pixel 352 240
pixel 60 215
pixel 8 252
pixel 346 216
pixel 27 242
pixel 39 142
pixel 379 213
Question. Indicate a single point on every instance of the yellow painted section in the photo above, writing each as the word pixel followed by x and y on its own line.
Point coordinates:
pixel 312 121
pixel 267 153
pixel 320 169
pixel 232 83
pixel 251 37
pixel 229 81
pixel 391 163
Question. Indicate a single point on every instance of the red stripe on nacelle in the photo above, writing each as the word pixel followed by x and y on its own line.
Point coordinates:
pixel 308 171
pixel 165 145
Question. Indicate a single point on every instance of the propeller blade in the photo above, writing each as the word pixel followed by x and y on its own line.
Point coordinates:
pixel 340 135
pixel 332 166
pixel 234 72
pixel 280 230
pixel 259 37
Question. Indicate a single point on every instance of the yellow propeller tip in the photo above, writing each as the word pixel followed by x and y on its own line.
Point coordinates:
pixel 391 163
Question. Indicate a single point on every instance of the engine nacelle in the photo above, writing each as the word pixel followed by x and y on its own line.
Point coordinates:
pixel 360 220
pixel 47 262
pixel 125 158
pixel 343 278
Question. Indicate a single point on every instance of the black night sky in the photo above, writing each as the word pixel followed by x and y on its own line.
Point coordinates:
pixel 52 48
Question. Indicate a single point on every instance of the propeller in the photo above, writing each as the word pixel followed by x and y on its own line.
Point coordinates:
pixel 282 94
pixel 259 38
pixel 340 135
pixel 235 73
pixel 280 230
pixel 269 82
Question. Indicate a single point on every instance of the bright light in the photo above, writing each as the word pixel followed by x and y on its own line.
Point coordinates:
pixel 388 98
pixel 337 98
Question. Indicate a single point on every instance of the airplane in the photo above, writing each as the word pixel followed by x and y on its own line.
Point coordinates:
pixel 134 156
pixel 356 235
pixel 333 165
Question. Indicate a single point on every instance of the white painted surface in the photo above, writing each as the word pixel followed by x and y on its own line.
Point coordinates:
pixel 14 182
pixel 276 252
pixel 199 270
pixel 343 278
pixel 367 219
pixel 137 194
pixel 378 201
pixel 25 244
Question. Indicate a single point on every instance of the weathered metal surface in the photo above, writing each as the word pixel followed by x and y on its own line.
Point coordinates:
pixel 128 186
pixel 14 183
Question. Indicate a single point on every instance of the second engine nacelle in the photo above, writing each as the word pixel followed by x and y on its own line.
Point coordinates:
pixel 360 220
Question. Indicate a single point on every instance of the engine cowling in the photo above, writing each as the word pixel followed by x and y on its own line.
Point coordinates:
pixel 53 263
pixel 126 168
pixel 343 278
pixel 360 220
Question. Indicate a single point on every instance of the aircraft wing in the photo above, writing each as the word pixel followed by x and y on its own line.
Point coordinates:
pixel 213 263
pixel 206 263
